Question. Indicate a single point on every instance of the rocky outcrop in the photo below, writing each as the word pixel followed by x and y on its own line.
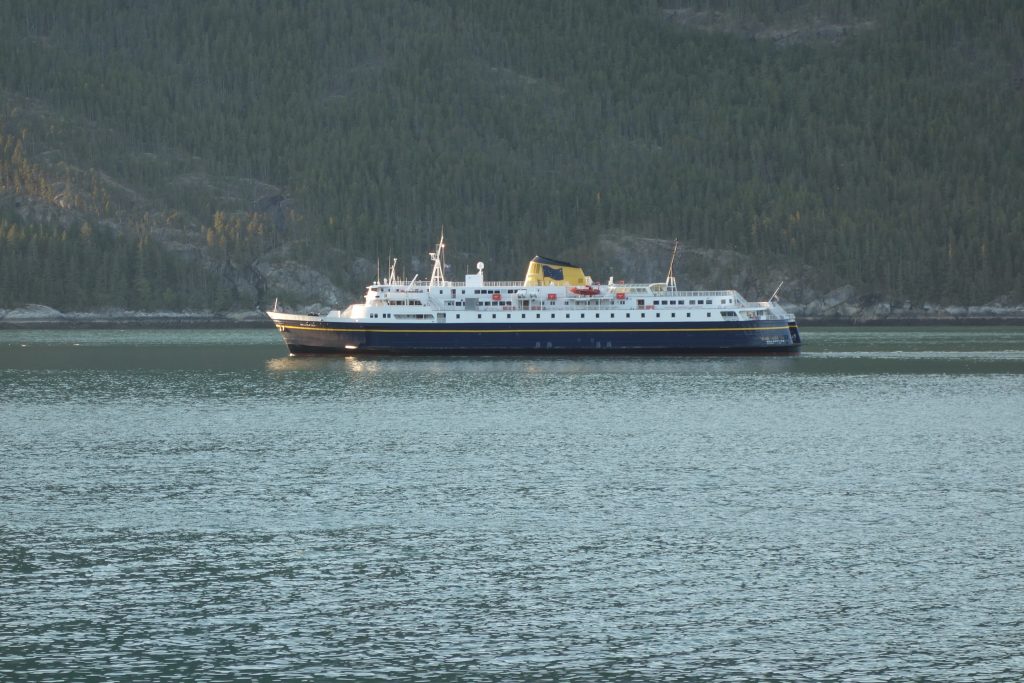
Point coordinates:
pixel 32 313
pixel 842 306
pixel 807 292
pixel 784 30
pixel 641 259
pixel 298 282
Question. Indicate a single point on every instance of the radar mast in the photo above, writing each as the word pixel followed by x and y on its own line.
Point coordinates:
pixel 670 279
pixel 437 276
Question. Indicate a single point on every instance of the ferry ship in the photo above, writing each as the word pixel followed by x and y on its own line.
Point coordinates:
pixel 556 308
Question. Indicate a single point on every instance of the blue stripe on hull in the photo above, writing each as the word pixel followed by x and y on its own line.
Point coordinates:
pixel 511 338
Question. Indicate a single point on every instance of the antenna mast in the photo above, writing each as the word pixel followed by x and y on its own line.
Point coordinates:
pixel 437 276
pixel 670 279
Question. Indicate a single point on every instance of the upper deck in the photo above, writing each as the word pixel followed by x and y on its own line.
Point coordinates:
pixel 551 291
pixel 506 301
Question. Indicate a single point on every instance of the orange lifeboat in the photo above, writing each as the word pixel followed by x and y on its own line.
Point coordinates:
pixel 585 291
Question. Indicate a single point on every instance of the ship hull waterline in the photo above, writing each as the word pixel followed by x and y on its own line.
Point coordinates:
pixel 353 338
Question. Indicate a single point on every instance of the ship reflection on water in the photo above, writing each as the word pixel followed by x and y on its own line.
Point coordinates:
pixel 319 363
pixel 563 365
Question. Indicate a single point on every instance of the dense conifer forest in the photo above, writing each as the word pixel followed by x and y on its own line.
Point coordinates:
pixel 157 154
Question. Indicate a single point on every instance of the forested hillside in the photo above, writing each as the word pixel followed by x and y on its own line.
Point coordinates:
pixel 171 154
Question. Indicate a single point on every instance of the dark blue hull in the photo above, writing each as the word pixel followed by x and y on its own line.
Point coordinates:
pixel 358 338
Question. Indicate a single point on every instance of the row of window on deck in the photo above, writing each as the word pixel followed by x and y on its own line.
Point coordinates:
pixel 508 316
pixel 552 302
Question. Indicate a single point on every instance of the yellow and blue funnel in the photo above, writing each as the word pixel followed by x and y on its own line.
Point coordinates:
pixel 547 271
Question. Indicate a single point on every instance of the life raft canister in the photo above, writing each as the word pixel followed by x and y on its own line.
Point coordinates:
pixel 552 296
pixel 620 295
pixel 496 296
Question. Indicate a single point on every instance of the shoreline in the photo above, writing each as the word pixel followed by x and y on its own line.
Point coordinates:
pixel 44 317
pixel 146 324
pixel 40 317
pixel 249 320
pixel 989 321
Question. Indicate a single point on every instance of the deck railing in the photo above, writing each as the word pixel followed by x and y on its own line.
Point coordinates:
pixel 421 286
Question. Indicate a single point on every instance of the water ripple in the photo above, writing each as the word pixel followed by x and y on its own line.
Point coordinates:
pixel 810 518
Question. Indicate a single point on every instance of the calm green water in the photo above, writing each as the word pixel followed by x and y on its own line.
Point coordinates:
pixel 199 506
